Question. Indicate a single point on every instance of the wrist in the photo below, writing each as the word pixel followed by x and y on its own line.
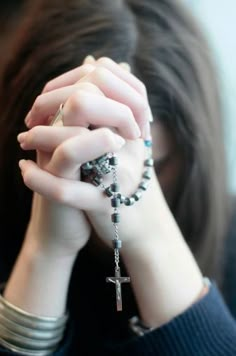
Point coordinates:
pixel 34 253
pixel 48 247
pixel 39 281
pixel 169 271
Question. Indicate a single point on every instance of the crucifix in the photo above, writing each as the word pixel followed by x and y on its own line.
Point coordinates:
pixel 118 280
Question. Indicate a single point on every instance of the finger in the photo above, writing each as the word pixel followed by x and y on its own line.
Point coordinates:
pixel 47 138
pixel 120 70
pixel 75 194
pixel 123 71
pixel 47 104
pixel 68 78
pixel 89 60
pixel 125 66
pixel 84 109
pixel 68 157
pixel 119 90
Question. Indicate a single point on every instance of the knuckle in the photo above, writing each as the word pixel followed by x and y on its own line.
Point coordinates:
pixel 104 61
pixel 28 177
pixel 107 138
pixel 127 112
pixel 60 193
pixel 100 74
pixel 78 101
pixel 47 87
pixel 143 106
pixel 87 67
pixel 33 134
pixel 63 153
pixel 37 105
pixel 87 86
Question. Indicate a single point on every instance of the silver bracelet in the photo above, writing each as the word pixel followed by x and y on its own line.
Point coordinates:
pixel 140 329
pixel 28 334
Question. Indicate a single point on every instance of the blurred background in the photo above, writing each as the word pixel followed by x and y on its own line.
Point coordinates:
pixel 218 19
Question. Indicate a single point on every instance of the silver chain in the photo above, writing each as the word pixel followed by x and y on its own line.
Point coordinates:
pixel 116 230
pixel 117 259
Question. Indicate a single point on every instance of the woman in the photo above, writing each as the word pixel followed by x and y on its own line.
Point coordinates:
pixel 62 232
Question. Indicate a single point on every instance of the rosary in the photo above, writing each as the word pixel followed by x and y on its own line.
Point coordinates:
pixel 94 172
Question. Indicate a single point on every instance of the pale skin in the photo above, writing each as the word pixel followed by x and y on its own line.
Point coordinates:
pixel 165 277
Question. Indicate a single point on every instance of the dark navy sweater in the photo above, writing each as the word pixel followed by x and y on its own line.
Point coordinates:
pixel 208 328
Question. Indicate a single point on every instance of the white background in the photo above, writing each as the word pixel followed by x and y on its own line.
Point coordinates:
pixel 219 20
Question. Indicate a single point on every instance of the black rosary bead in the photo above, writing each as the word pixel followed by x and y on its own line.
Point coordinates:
pixel 115 202
pixel 115 187
pixel 101 159
pixel 115 218
pixel 129 201
pixel 143 185
pixel 108 192
pixel 147 174
pixel 121 198
pixel 137 195
pixel 113 161
pixel 117 244
pixel 149 162
pixel 97 180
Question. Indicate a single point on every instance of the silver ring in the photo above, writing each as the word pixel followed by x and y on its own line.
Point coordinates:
pixel 58 116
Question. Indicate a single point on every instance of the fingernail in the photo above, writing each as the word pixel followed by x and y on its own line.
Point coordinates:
pixel 28 119
pixel 89 60
pixel 27 116
pixel 150 115
pixel 22 163
pixel 21 137
pixel 146 131
pixel 125 66
pixel 119 140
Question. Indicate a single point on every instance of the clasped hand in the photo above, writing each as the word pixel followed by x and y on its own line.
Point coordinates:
pixel 108 98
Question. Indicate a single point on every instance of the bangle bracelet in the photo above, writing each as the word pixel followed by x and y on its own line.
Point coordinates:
pixel 138 328
pixel 28 334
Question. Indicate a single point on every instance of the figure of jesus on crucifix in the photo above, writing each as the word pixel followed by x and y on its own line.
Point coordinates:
pixel 118 280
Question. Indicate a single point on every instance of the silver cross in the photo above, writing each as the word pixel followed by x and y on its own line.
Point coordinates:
pixel 118 280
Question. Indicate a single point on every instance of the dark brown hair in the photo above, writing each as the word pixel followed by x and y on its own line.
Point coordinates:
pixel 161 41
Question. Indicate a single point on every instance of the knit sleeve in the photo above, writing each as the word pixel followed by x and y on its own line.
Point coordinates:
pixel 206 328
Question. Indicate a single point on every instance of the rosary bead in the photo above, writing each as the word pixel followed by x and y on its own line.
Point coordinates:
pixel 117 244
pixel 86 169
pixel 115 187
pixel 115 218
pixel 147 174
pixel 113 161
pixel 129 201
pixel 115 202
pixel 97 180
pixel 137 195
pixel 87 166
pixel 108 192
pixel 148 143
pixel 149 162
pixel 143 185
pixel 121 198
pixel 101 159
